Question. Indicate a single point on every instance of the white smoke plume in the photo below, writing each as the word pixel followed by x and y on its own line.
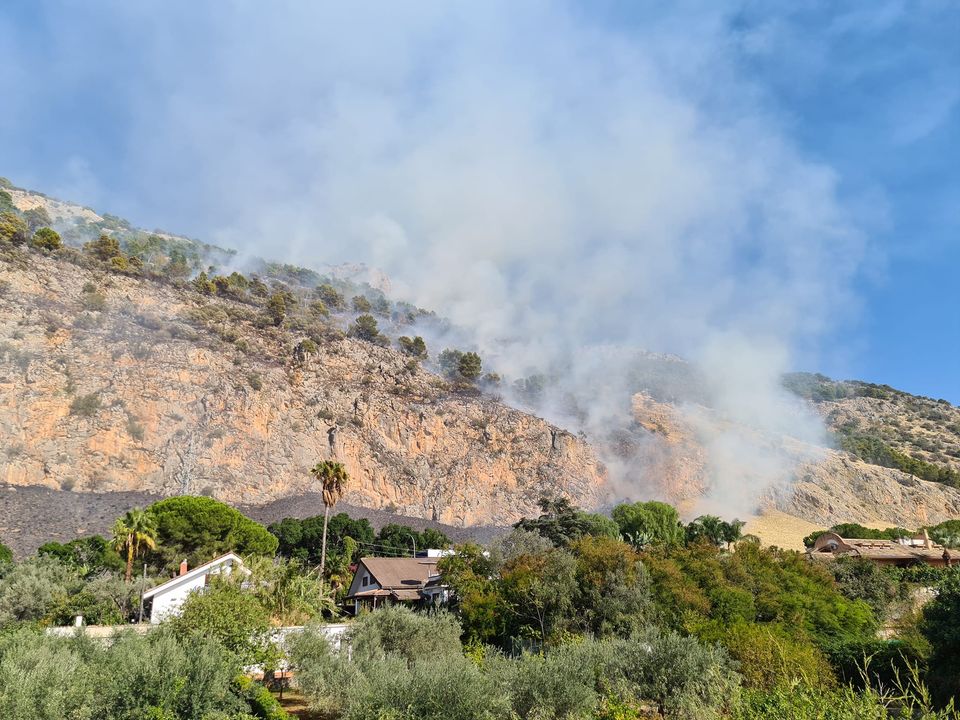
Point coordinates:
pixel 564 189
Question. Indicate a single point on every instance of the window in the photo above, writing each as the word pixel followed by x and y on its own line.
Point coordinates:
pixel 365 580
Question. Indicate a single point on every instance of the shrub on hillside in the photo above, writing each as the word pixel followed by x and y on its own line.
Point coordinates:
pixel 37 217
pixel 46 239
pixel 104 248
pixel 330 297
pixel 365 328
pixel 13 228
pixel 85 405
pixel 414 347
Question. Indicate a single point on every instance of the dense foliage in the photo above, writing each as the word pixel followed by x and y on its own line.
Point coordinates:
pixel 201 528
pixel 571 615
pixel 155 677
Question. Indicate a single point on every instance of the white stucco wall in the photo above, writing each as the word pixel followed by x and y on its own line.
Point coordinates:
pixel 167 601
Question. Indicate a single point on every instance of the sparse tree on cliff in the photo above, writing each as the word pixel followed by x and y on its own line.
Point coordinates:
pixel 333 476
pixel 134 531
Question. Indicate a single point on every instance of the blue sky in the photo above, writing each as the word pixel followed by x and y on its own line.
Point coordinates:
pixel 443 133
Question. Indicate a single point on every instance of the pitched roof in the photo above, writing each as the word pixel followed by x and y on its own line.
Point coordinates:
pixel 400 574
pixel 198 570
pixel 831 543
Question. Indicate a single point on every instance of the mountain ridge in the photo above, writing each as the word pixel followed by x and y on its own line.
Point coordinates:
pixel 145 370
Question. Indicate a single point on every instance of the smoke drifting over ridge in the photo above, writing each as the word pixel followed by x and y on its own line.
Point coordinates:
pixel 562 189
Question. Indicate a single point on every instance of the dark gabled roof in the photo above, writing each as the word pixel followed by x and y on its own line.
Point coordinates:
pixel 399 574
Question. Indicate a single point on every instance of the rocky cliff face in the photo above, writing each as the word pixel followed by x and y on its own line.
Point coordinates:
pixel 820 485
pixel 111 382
pixel 125 380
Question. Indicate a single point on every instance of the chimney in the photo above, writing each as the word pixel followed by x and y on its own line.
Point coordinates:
pixel 183 567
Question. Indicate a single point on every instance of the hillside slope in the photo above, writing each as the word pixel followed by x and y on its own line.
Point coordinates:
pixel 136 367
pixel 819 485
pixel 115 382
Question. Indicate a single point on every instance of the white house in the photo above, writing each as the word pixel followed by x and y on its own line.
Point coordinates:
pixel 168 597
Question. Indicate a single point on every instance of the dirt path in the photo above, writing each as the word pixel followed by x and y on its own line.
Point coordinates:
pixel 295 704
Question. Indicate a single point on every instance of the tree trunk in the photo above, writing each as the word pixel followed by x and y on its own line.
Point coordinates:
pixel 129 561
pixel 323 546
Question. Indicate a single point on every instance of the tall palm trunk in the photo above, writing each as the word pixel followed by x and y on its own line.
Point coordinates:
pixel 323 546
pixel 129 559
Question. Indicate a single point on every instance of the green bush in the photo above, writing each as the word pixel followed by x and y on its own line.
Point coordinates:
pixel 942 630
pixel 37 217
pixel 398 631
pixel 13 228
pixel 330 297
pixel 649 523
pixel 860 579
pixel 85 405
pixel 46 239
pixel 104 248
pixel 277 308
pixel 562 684
pixel 430 689
pixel 470 366
pixel 31 589
pixel 44 678
pixel 231 616
pixel 160 676
pixel 361 304
pixel 262 704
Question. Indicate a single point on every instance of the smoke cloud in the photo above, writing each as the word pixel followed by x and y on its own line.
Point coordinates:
pixel 564 188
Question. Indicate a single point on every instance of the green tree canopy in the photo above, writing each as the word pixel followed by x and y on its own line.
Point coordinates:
pixel 201 528
pixel 414 347
pixel 649 523
pixel 301 539
pixel 396 540
pixel 90 555
pixel 133 533
pixel 277 308
pixel 941 627
pixel 714 530
pixel 365 328
pixel 470 366
pixel 561 522
pixel 37 217
pixel 330 296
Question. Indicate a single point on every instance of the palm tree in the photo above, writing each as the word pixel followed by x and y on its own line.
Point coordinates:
pixel 132 532
pixel 333 476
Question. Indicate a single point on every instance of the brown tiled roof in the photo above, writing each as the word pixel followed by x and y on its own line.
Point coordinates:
pixel 403 576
